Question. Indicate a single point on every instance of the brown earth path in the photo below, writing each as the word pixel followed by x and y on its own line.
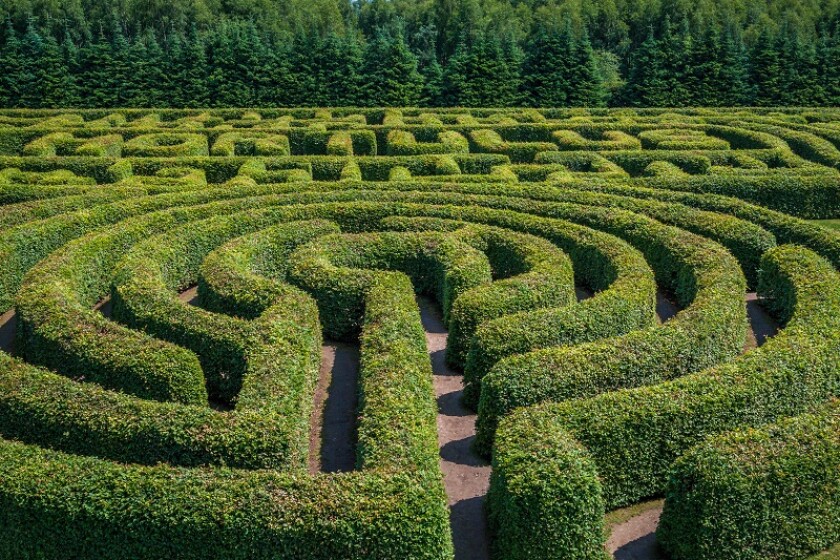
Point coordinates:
pixel 332 441
pixel 465 475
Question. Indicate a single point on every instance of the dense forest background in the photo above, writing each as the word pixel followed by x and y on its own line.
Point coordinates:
pixel 222 53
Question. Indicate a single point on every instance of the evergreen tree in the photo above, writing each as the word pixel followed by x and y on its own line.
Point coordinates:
pixel 189 71
pixel 706 69
pixel 95 77
pixel 482 74
pixel 70 61
pixel 764 69
pixel 337 63
pixel 119 70
pixel 587 87
pixel 675 50
pixel 31 75
pixel 228 79
pixel 11 68
pixel 548 68
pixel 797 69
pixel 647 82
pixel 733 80
pixel 390 73
pixel 828 66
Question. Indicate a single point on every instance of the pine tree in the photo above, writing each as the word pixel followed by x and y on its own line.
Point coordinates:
pixel 647 82
pixel 587 87
pixel 228 80
pixel 150 80
pixel 390 73
pixel 119 69
pixel 11 68
pixel 337 64
pixel 828 64
pixel 547 68
pixel 733 82
pixel 96 80
pixel 675 50
pixel 764 69
pixel 189 70
pixel 32 74
pixel 706 69
pixel 70 61
pixel 482 73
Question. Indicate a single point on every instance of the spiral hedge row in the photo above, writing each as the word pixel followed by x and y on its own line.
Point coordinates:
pixel 136 424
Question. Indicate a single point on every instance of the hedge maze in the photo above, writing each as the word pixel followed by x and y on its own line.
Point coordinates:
pixel 134 425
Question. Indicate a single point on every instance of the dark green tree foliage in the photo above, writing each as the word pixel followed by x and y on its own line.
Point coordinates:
pixel 719 75
pixel 391 78
pixel 11 68
pixel 336 67
pixel 547 68
pixel 648 80
pixel 401 52
pixel 561 70
pixel 675 50
pixel 828 66
pixel 765 69
pixel 189 71
pixel 484 72
pixel 96 62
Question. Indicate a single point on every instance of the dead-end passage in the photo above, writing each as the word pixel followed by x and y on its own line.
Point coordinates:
pixel 466 476
pixel 332 442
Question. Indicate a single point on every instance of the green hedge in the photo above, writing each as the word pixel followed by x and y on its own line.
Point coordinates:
pixel 709 331
pixel 336 270
pixel 545 497
pixel 529 272
pixel 630 438
pixel 771 492
pixel 42 408
pixel 269 364
pixel 250 144
pixel 626 301
pixel 395 368
pixel 404 143
pixel 394 507
pixel 167 144
pixel 634 435
pixel 490 141
pixel 245 276
pixel 811 197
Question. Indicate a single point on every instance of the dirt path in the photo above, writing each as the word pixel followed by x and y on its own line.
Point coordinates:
pixel 666 309
pixel 762 326
pixel 189 296
pixel 332 441
pixel 466 476
pixel 635 538
pixel 8 328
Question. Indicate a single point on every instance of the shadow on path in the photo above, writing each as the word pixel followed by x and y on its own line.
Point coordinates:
pixel 466 476
pixel 333 437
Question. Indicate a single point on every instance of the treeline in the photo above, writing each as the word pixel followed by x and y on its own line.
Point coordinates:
pixel 365 55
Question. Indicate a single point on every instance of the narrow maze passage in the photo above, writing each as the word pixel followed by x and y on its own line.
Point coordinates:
pixel 466 476
pixel 333 438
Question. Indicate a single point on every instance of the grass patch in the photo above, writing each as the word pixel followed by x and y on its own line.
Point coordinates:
pixel 831 224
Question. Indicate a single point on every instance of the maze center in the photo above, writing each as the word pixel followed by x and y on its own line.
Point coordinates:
pixel 420 334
